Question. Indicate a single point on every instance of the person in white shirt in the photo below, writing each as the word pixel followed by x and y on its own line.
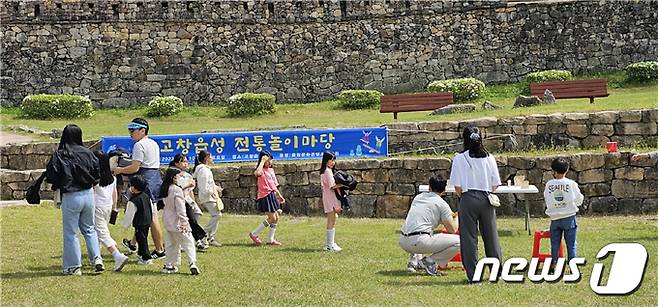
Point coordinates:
pixel 475 175
pixel 208 195
pixel 427 210
pixel 145 162
pixel 562 197
pixel 105 201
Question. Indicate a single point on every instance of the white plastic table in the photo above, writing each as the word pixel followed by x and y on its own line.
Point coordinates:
pixel 500 190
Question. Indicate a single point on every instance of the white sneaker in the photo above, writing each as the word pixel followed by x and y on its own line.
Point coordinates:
pixel 73 271
pixel 120 263
pixel 141 261
pixel 214 242
pixel 169 269
pixel 332 248
pixel 194 270
pixel 411 268
pixel 98 265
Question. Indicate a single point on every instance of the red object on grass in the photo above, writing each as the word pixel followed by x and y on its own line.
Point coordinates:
pixel 458 257
pixel 539 235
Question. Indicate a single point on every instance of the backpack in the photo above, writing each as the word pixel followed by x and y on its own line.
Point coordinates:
pixel 119 157
pixel 32 194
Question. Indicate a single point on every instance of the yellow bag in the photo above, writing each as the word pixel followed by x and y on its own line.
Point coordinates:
pixel 220 203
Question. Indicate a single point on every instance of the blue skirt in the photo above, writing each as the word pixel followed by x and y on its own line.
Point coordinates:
pixel 268 203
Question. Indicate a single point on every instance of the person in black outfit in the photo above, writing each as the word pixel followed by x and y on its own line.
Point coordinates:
pixel 142 219
pixel 74 170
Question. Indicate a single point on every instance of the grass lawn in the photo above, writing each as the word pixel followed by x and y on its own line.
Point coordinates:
pixel 369 271
pixel 112 122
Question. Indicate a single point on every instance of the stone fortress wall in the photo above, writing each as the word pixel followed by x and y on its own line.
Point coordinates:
pixel 123 52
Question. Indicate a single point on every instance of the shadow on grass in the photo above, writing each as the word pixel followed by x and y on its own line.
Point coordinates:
pixel 239 245
pixel 149 271
pixel 300 250
pixel 35 272
pixel 395 273
pixel 436 281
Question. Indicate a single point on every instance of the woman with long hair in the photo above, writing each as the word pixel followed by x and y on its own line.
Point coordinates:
pixel 105 201
pixel 475 175
pixel 74 170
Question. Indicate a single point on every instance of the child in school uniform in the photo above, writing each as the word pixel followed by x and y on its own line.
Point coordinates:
pixel 208 196
pixel 563 197
pixel 179 232
pixel 105 201
pixel 269 199
pixel 142 219
pixel 331 203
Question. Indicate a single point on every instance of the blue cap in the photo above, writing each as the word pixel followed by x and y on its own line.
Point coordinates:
pixel 134 125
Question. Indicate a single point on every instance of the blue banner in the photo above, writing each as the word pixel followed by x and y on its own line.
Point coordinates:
pixel 284 145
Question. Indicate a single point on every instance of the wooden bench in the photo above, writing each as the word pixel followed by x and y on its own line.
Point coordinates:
pixel 572 89
pixel 414 102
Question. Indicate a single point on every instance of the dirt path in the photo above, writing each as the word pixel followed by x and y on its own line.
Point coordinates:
pixel 12 138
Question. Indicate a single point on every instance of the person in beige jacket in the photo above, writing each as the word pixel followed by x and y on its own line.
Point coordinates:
pixel 176 224
pixel 208 195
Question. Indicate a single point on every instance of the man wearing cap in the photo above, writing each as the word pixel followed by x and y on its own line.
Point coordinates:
pixel 146 162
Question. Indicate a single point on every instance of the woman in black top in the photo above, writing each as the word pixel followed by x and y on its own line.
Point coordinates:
pixel 74 170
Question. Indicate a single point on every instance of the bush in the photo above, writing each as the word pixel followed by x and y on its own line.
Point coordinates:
pixel 164 106
pixel 548 75
pixel 46 106
pixel 543 76
pixel 464 89
pixel 359 99
pixel 246 104
pixel 642 71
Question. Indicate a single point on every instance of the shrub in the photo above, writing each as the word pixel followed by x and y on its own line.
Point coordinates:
pixel 44 106
pixel 642 71
pixel 543 76
pixel 464 89
pixel 359 99
pixel 246 104
pixel 548 75
pixel 164 106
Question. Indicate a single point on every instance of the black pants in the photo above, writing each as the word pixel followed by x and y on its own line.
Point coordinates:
pixel 475 213
pixel 197 231
pixel 141 236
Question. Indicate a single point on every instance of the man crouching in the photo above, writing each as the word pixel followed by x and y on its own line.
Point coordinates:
pixel 427 210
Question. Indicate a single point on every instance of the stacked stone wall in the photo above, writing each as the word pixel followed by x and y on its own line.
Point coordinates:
pixel 612 184
pixel 122 53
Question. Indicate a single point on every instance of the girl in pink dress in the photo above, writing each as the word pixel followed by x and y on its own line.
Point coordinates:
pixel 331 203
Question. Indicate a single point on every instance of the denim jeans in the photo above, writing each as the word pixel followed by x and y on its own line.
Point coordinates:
pixel 78 213
pixel 566 226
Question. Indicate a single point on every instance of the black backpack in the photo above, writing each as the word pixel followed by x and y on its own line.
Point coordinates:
pixel 32 194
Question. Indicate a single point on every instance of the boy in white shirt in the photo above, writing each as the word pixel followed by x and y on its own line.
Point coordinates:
pixel 563 198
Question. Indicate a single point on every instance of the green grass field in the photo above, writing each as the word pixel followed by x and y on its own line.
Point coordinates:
pixel 369 271
pixel 112 122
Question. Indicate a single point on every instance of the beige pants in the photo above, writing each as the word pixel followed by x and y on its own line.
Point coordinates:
pixel 442 246
pixel 175 241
